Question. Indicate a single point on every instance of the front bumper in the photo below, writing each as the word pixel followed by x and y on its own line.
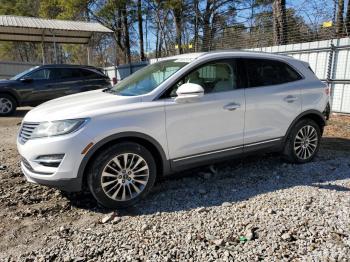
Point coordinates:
pixel 327 111
pixel 65 175
pixel 68 185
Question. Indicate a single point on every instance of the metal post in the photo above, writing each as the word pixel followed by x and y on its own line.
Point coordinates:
pixel 54 47
pixel 43 48
pixel 331 59
pixel 89 51
pixel 88 54
pixel 42 53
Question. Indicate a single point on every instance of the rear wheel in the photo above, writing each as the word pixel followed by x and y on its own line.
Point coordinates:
pixel 7 105
pixel 122 175
pixel 303 142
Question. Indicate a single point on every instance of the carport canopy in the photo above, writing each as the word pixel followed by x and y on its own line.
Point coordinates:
pixel 33 29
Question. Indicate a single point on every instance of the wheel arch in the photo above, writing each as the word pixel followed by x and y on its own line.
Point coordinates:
pixel 315 115
pixel 163 166
pixel 13 95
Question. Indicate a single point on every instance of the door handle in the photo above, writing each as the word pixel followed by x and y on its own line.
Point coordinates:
pixel 231 106
pixel 290 99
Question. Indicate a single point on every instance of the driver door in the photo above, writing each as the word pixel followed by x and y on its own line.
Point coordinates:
pixel 40 85
pixel 211 126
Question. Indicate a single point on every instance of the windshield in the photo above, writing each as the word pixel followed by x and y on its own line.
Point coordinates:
pixel 20 75
pixel 148 78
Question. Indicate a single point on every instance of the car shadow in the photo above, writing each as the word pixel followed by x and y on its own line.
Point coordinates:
pixel 238 180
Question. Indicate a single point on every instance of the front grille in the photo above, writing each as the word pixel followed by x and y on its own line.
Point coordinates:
pixel 26 131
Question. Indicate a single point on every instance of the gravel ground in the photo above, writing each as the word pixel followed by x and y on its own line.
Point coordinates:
pixel 256 208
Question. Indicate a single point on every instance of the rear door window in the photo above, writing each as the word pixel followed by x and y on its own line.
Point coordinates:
pixel 64 73
pixel 90 73
pixel 264 72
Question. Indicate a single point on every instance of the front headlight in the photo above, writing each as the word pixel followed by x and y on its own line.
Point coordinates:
pixel 57 128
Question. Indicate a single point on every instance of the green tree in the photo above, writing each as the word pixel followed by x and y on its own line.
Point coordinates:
pixel 19 51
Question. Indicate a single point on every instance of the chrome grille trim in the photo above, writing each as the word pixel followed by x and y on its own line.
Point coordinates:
pixel 26 131
pixel 26 164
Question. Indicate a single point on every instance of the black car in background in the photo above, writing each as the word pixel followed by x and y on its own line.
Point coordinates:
pixel 42 83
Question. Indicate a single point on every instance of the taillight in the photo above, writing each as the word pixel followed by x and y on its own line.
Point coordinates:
pixel 114 80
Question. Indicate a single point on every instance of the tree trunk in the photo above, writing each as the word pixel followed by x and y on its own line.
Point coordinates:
pixel 160 47
pixel 206 28
pixel 161 36
pixel 178 25
pixel 340 18
pixel 279 22
pixel 157 39
pixel 126 34
pixel 119 36
pixel 140 22
pixel 347 19
pixel 196 10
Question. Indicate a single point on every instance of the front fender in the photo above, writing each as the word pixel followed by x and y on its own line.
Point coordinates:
pixel 126 135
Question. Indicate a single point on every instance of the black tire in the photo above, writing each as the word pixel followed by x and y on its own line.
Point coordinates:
pixel 293 155
pixel 10 101
pixel 97 167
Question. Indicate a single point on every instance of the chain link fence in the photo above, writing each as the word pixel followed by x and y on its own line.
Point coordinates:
pixel 324 43
pixel 263 33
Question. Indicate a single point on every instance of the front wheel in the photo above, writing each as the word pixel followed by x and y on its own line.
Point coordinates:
pixel 7 105
pixel 122 175
pixel 303 142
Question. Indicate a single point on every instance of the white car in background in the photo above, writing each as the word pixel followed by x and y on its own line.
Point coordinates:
pixel 184 111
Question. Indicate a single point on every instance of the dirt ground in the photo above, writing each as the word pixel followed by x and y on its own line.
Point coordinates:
pixel 39 223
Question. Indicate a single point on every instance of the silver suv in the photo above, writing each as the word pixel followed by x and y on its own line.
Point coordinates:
pixel 178 113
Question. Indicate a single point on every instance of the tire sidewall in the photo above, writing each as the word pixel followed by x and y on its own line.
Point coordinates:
pixel 295 130
pixel 95 172
pixel 14 104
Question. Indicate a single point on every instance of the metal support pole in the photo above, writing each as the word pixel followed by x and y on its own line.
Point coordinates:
pixel 330 66
pixel 89 49
pixel 331 58
pixel 54 47
pixel 88 53
pixel 43 48
pixel 43 52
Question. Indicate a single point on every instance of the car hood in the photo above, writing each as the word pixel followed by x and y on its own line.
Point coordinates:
pixel 87 104
pixel 6 82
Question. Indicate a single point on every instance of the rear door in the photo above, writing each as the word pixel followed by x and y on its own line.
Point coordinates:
pixel 63 81
pixel 94 79
pixel 273 99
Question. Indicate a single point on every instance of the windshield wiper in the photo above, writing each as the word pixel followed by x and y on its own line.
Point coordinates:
pixel 107 90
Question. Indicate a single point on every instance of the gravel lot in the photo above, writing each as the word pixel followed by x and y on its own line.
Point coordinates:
pixel 256 208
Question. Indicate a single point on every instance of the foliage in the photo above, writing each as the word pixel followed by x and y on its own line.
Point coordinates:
pixel 173 26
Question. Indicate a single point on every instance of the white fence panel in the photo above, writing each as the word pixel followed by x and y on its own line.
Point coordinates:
pixel 317 55
pixel 342 62
pixel 122 71
pixel 341 98
pixel 10 69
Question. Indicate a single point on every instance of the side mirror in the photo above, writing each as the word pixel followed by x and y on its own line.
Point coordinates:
pixel 189 92
pixel 26 79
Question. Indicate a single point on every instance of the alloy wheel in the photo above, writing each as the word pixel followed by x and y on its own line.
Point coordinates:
pixel 5 105
pixel 125 176
pixel 305 142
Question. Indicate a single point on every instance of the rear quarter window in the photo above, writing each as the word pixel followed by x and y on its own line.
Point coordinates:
pixel 92 74
pixel 264 72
